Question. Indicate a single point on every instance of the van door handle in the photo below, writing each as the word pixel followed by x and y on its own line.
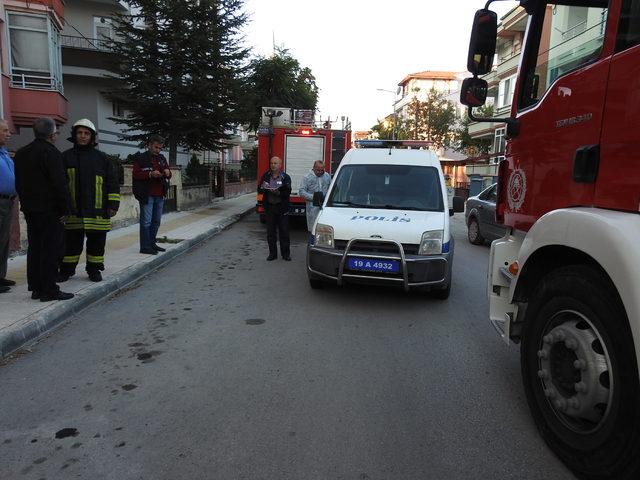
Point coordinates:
pixel 586 163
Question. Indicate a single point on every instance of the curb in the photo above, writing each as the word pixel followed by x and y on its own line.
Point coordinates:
pixel 37 325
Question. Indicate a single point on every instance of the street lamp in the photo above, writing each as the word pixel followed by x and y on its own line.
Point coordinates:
pixel 395 116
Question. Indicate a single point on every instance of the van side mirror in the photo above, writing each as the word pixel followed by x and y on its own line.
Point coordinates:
pixel 318 199
pixel 473 92
pixel 482 45
pixel 458 206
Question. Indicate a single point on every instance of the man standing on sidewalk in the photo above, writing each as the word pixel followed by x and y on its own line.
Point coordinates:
pixel 44 198
pixel 95 194
pixel 151 176
pixel 317 180
pixel 7 195
pixel 275 185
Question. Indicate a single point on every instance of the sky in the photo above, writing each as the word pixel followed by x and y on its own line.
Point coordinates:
pixel 355 47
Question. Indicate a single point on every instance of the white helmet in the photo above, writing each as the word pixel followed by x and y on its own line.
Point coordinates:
pixel 86 123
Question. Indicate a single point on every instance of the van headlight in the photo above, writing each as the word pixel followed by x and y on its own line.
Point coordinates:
pixel 431 243
pixel 324 236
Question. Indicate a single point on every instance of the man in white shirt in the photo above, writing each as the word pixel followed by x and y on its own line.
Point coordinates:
pixel 317 180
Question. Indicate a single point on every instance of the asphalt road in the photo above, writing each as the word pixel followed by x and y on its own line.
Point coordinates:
pixel 224 366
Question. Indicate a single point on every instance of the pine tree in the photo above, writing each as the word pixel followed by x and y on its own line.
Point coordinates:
pixel 180 64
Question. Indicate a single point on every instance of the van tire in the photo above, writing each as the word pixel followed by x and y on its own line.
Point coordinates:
pixel 263 218
pixel 316 284
pixel 442 293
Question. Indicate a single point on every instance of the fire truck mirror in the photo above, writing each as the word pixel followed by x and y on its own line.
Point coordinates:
pixel 482 46
pixel 473 92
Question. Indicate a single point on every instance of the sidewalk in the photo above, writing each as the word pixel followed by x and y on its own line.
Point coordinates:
pixel 23 320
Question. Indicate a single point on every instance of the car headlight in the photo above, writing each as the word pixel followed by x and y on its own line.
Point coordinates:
pixel 324 236
pixel 431 243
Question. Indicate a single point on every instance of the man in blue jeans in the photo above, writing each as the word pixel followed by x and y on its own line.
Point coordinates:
pixel 151 176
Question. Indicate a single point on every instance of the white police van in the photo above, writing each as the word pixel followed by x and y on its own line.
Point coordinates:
pixel 385 220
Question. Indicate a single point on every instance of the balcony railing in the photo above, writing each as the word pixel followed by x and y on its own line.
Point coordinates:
pixel 39 82
pixel 84 43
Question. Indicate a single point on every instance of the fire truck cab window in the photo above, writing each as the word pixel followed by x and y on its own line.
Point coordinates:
pixel 629 27
pixel 570 36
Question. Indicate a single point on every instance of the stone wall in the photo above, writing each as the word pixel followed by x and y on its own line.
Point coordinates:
pixel 236 189
pixel 194 196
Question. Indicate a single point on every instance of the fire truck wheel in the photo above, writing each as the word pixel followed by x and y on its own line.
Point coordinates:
pixel 580 374
pixel 263 218
pixel 473 232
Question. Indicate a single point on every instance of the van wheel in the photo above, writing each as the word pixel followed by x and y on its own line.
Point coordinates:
pixel 473 232
pixel 316 284
pixel 580 374
pixel 442 294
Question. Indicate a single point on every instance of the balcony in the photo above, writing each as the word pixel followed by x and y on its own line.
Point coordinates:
pixel 27 104
pixel 84 43
pixel 486 170
pixel 483 129
pixel 508 65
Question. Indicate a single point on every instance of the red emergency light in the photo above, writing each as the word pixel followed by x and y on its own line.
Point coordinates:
pixel 305 132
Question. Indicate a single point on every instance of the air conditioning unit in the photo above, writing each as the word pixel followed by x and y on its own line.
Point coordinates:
pixel 275 116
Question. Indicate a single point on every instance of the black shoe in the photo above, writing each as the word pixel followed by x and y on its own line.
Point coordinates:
pixel 56 296
pixel 6 283
pixel 271 257
pixel 4 289
pixel 159 249
pixel 148 251
pixel 95 276
pixel 286 258
pixel 35 295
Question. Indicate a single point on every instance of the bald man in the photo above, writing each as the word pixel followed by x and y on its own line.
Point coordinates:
pixel 275 185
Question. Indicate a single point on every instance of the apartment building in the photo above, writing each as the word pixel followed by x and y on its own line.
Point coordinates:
pixel 32 83
pixel 418 85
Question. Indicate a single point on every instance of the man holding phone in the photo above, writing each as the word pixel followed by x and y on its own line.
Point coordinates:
pixel 275 185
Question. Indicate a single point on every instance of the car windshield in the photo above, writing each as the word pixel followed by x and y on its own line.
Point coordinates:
pixel 394 187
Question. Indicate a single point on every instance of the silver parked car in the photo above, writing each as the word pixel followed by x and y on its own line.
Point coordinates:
pixel 480 215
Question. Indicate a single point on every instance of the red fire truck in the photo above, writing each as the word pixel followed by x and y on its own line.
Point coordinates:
pixel 564 282
pixel 298 140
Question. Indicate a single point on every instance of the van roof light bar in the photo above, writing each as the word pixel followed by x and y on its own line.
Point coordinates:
pixel 392 143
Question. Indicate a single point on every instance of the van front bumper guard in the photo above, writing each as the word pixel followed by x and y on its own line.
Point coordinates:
pixel 415 270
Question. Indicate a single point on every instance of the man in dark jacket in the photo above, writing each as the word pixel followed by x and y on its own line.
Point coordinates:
pixel 95 195
pixel 151 176
pixel 275 185
pixel 44 198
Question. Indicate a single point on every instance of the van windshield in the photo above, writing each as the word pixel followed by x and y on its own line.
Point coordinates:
pixel 393 187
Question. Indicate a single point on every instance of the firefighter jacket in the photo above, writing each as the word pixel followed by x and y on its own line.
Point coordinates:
pixel 94 186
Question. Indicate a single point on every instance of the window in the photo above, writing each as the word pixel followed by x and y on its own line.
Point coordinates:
pixel 506 88
pixel 569 37
pixel 103 31
pixel 35 52
pixel 499 144
pixel 629 27
pixel 117 110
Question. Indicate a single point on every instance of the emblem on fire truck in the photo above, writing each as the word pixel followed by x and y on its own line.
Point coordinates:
pixel 516 189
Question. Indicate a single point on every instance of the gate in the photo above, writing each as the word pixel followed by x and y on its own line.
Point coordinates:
pixel 217 181
pixel 171 202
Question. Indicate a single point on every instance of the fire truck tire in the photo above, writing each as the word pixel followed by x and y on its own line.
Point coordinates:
pixel 473 232
pixel 580 374
pixel 263 218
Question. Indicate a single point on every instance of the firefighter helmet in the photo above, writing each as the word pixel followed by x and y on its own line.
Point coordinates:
pixel 86 123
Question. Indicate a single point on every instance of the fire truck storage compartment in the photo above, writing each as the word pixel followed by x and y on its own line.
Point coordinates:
pixel 300 153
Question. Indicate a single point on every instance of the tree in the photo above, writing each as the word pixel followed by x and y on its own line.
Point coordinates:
pixel 433 119
pixel 249 165
pixel 465 142
pixel 180 66
pixel 385 128
pixel 279 81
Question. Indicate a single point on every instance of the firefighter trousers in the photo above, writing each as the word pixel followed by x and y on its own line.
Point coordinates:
pixel 73 245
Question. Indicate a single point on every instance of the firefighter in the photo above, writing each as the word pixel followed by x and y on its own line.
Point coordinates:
pixel 95 193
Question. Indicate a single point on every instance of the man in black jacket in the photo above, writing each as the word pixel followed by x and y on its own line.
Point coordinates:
pixel 95 193
pixel 44 198
pixel 275 185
